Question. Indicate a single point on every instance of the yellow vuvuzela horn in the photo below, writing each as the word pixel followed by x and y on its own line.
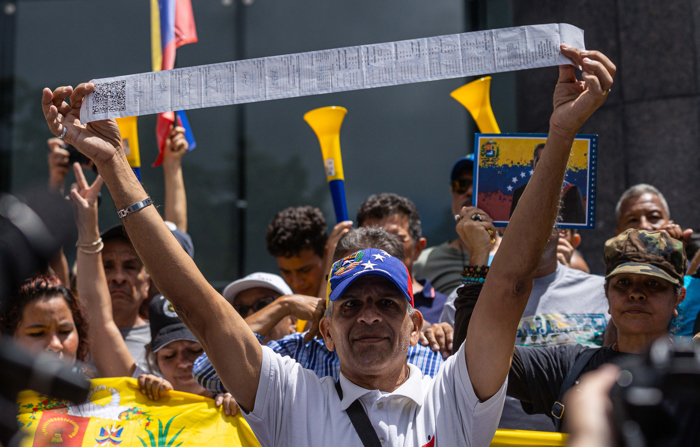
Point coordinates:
pixel 326 122
pixel 476 97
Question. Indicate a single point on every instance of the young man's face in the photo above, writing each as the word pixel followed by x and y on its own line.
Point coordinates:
pixel 370 328
pixel 303 272
pixel 397 224
pixel 641 304
pixel 644 212
pixel 463 196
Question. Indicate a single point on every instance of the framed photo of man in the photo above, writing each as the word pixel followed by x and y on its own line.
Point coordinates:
pixel 504 163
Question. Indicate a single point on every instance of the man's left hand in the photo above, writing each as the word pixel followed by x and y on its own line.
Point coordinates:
pixel 439 337
pixel 574 100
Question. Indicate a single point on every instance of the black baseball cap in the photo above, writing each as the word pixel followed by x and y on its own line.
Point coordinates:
pixel 118 232
pixel 166 326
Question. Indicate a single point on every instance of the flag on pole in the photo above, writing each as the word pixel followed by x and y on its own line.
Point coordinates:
pixel 130 142
pixel 172 25
pixel 117 414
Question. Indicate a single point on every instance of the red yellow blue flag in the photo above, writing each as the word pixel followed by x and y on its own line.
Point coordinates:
pixel 172 25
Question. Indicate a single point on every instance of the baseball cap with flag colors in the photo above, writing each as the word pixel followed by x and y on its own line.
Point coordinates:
pixel 370 261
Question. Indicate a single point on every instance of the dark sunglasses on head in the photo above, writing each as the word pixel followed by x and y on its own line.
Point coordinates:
pixel 461 185
pixel 256 307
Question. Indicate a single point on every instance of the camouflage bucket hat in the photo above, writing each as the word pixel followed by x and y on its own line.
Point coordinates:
pixel 652 253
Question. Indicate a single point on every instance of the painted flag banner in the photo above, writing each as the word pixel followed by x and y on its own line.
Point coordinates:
pixel 327 71
pixel 117 414
pixel 504 164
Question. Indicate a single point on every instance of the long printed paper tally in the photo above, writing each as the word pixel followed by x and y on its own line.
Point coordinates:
pixel 327 71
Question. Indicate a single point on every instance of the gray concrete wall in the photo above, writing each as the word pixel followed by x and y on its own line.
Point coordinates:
pixel 650 124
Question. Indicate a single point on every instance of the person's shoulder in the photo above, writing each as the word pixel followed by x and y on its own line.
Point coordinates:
pixel 578 276
pixel 435 249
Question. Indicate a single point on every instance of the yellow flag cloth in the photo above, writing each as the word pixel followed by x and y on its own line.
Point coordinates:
pixel 117 414
pixel 129 130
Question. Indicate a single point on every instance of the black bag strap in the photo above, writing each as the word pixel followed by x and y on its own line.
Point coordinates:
pixel 360 421
pixel 569 381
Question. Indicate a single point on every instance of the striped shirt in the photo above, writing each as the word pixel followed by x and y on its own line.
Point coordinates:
pixel 314 356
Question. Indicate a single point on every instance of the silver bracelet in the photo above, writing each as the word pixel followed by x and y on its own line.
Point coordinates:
pixel 98 248
pixel 135 207
pixel 89 244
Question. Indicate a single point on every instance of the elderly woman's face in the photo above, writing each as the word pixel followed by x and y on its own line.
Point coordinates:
pixel 47 325
pixel 641 304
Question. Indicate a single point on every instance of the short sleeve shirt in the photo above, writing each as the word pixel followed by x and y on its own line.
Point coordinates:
pixel 294 407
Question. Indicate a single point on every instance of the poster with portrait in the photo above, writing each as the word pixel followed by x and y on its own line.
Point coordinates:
pixel 504 163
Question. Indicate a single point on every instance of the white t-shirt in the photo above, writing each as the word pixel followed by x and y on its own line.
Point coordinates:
pixel 293 407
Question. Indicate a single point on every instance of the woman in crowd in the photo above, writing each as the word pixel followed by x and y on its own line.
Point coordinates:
pixel 45 316
pixel 644 286
pixel 173 347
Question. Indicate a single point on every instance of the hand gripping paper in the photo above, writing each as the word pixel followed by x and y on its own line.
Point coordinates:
pixel 327 71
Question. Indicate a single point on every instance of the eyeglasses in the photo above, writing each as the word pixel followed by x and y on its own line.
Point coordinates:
pixel 256 307
pixel 461 185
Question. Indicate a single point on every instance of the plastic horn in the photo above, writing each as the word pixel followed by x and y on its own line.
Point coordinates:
pixel 476 97
pixel 130 141
pixel 326 123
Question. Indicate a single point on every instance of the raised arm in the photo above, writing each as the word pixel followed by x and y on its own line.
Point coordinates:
pixel 58 169
pixel 175 196
pixel 492 329
pixel 112 358
pixel 232 347
pixel 303 307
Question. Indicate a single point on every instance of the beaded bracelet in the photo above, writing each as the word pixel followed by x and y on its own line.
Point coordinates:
pixel 474 274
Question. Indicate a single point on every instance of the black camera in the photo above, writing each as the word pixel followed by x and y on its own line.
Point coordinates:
pixel 33 227
pixel 656 400
pixel 75 156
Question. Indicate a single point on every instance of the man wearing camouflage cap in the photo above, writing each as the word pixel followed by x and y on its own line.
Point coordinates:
pixel 643 284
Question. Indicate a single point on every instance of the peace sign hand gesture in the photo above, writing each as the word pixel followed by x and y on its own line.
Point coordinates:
pixel 84 200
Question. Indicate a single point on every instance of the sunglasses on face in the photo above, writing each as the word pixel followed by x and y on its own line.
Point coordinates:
pixel 255 307
pixel 461 185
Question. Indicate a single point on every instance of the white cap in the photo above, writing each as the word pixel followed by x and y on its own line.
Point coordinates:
pixel 257 279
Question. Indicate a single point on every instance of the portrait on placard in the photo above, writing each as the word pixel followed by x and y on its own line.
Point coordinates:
pixel 504 164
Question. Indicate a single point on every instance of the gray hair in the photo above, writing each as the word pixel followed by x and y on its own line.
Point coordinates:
pixel 636 191
pixel 368 237
pixel 329 310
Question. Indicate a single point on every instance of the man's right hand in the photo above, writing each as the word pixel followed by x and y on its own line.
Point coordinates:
pixel 309 308
pixel 99 140
pixel 477 235
pixel 564 252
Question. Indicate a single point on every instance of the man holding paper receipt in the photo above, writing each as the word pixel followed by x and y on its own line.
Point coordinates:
pixel 370 320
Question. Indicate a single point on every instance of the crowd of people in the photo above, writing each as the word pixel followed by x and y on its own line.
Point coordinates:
pixel 365 336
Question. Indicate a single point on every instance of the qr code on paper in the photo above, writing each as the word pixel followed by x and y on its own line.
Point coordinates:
pixel 109 97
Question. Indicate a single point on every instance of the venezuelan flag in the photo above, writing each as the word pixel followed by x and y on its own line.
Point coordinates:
pixel 172 25
pixel 116 414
